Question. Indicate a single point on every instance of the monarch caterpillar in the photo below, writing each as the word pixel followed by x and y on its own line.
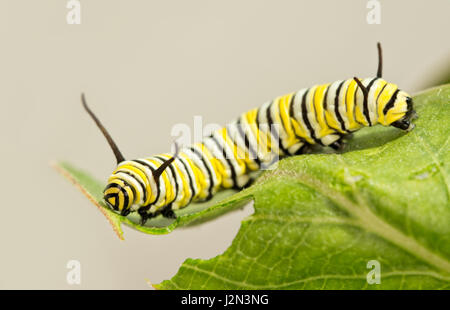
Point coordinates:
pixel 322 114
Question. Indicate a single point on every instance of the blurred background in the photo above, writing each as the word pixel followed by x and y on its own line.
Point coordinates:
pixel 146 66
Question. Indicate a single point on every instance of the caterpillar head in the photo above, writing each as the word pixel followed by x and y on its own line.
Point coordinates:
pixel 119 196
pixel 398 111
pixel 395 107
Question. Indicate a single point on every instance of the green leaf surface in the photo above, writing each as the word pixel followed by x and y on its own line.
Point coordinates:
pixel 320 218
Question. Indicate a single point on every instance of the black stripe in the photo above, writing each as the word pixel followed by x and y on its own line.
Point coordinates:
pixel 116 195
pixel 125 202
pixel 211 185
pixel 292 115
pixel 379 94
pixel 137 180
pixel 275 133
pixel 336 106
pixel 279 113
pixel 132 189
pixel 345 105
pixel 366 103
pixel 143 163
pixel 257 118
pixel 191 184
pixel 305 117
pixel 111 185
pixel 301 150
pixel 145 174
pixel 157 183
pixel 233 172
pixel 110 195
pixel 316 116
pixel 257 126
pixel 325 106
pixel 391 102
pixel 174 176
pixel 115 206
pixel 325 100
pixel 235 141
pixel 247 143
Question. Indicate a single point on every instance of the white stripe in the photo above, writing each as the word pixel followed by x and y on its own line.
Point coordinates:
pixel 298 114
pixel 130 180
pixel 152 182
pixel 239 140
pixel 199 163
pixel 190 175
pixel 311 111
pixel 342 106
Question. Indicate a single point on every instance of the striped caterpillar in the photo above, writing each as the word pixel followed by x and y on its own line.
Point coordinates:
pixel 323 114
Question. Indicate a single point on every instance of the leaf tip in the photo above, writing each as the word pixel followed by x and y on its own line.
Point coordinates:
pixel 65 171
pixel 151 285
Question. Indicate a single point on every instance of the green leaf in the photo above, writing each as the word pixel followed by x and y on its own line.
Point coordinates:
pixel 320 218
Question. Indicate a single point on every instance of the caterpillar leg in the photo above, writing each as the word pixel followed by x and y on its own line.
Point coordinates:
pixel 304 149
pixel 167 212
pixel 145 216
pixel 247 184
pixel 340 143
pixel 337 145
pixel 142 211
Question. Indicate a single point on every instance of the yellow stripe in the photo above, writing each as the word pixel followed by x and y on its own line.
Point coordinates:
pixel 185 187
pixel 310 108
pixel 359 114
pixel 350 103
pixel 330 115
pixel 239 155
pixel 129 166
pixel 115 180
pixel 300 128
pixel 198 177
pixel 283 107
pixel 243 154
pixel 318 104
pixel 138 193
pixel 112 200
pixel 112 190
pixel 170 193
pixel 261 139
pixel 215 163
pixel 379 84
pixel 121 200
pixel 130 195
pixel 384 99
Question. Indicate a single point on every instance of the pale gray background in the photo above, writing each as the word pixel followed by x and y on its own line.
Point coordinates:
pixel 168 60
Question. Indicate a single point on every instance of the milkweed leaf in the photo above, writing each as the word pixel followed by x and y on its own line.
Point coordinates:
pixel 321 220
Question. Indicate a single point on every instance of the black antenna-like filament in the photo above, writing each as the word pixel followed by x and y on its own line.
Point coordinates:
pixel 363 88
pixel 157 173
pixel 111 142
pixel 380 61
